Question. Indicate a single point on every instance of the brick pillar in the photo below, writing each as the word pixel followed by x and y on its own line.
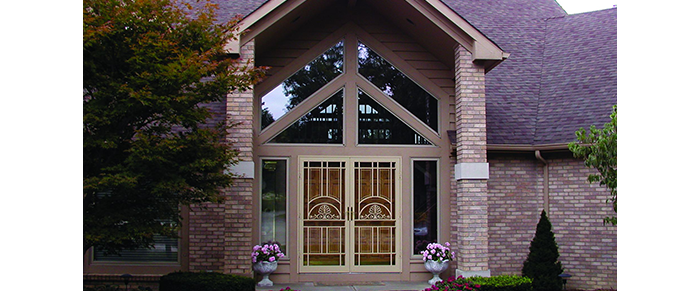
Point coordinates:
pixel 470 205
pixel 238 213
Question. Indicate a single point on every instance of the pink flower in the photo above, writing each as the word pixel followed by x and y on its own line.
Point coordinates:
pixel 272 259
pixel 447 244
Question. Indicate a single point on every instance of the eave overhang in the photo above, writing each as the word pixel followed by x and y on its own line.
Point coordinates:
pixel 434 12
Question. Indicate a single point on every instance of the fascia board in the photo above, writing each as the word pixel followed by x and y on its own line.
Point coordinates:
pixel 234 45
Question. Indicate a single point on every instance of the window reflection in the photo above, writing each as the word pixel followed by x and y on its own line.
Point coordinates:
pixel 397 86
pixel 424 204
pixel 302 84
pixel 378 126
pixel 273 206
pixel 324 124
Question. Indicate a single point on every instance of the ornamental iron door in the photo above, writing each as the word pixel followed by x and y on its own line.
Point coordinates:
pixel 353 226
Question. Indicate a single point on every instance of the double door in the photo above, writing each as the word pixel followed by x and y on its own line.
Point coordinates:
pixel 350 214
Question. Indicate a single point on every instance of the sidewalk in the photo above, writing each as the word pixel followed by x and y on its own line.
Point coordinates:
pixel 374 286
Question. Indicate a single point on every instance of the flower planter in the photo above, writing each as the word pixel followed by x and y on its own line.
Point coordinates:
pixel 265 269
pixel 436 268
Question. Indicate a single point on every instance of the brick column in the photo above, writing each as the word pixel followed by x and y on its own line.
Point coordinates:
pixel 238 213
pixel 470 206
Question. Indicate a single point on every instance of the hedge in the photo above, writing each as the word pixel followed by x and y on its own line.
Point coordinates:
pixel 496 283
pixel 194 281
pixel 502 283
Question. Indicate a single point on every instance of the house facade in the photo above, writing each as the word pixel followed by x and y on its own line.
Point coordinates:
pixel 385 125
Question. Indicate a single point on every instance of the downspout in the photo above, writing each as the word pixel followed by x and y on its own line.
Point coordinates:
pixel 546 180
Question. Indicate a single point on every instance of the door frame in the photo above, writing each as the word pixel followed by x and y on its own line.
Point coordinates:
pixel 349 177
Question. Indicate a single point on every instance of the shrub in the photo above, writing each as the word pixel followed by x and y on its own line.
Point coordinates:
pixel 502 283
pixel 542 264
pixel 192 281
pixel 496 283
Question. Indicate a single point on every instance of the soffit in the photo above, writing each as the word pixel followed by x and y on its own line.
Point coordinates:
pixel 434 25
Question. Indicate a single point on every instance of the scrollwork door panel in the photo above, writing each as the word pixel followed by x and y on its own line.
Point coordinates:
pixel 345 233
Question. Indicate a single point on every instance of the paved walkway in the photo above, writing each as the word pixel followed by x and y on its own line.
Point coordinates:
pixel 375 286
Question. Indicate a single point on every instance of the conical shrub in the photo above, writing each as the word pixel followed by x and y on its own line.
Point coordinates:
pixel 542 264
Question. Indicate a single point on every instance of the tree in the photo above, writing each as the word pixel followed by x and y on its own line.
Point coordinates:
pixel 150 143
pixel 598 148
pixel 542 264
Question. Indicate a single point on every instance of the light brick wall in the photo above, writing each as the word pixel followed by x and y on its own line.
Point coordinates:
pixel 588 250
pixel 515 200
pixel 220 236
pixel 239 198
pixel 206 237
pixel 469 212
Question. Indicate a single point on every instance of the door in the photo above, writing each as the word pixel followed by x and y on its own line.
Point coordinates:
pixel 350 213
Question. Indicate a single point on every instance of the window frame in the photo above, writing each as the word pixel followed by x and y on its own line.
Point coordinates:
pixel 261 163
pixel 437 200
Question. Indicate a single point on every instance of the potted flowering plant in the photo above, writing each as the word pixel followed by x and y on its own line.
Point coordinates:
pixel 437 258
pixel 265 259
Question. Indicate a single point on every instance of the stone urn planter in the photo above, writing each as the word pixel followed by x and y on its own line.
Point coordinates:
pixel 436 268
pixel 265 269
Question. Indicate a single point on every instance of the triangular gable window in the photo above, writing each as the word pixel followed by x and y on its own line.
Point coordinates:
pixel 378 126
pixel 324 124
pixel 307 107
pixel 302 84
pixel 398 86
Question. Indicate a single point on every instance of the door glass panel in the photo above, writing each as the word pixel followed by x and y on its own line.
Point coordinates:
pixel 324 124
pixel 375 213
pixel 397 86
pixel 324 220
pixel 302 84
pixel 378 126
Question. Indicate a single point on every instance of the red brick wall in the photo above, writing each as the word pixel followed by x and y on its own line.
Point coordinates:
pixel 588 249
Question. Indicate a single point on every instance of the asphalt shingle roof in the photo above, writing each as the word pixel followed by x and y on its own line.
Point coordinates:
pixel 561 74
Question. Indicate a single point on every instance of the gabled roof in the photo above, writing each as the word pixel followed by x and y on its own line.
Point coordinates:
pixel 561 73
pixel 436 15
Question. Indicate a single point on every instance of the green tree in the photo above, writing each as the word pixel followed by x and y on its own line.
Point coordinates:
pixel 598 148
pixel 542 264
pixel 150 143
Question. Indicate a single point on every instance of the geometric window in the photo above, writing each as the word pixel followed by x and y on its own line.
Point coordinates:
pixel 398 86
pixel 323 124
pixel 302 84
pixel 379 126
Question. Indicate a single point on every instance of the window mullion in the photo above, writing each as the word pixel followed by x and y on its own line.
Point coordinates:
pixel 350 114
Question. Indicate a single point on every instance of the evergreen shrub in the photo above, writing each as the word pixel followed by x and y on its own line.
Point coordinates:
pixel 196 281
pixel 542 264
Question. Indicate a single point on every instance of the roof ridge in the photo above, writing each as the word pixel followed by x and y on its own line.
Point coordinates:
pixel 539 79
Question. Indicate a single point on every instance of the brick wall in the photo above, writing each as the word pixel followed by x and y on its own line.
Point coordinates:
pixel 469 207
pixel 587 248
pixel 220 237
pixel 206 237
pixel 515 199
pixel 239 198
